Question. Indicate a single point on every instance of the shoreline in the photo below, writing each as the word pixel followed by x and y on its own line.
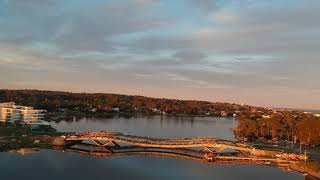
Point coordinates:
pixel 126 114
pixel 32 139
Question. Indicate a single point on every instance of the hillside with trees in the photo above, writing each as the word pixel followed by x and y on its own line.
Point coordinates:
pixel 98 102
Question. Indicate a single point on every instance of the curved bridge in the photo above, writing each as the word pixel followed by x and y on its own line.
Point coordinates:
pixel 111 137
pixel 179 154
pixel 210 145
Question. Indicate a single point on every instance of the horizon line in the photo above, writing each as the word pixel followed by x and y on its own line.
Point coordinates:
pixel 168 98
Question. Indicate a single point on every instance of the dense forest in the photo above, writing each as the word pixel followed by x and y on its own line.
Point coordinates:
pixel 292 126
pixel 85 102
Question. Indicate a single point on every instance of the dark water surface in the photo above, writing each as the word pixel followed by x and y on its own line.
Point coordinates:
pixel 54 165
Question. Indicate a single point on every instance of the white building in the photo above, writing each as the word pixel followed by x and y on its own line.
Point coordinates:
pixel 266 116
pixel 6 111
pixel 116 109
pixel 9 112
pixel 224 114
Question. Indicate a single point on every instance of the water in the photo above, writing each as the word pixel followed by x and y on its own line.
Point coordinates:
pixel 155 126
pixel 52 165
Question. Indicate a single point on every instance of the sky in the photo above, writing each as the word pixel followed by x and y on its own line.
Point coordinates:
pixel 257 52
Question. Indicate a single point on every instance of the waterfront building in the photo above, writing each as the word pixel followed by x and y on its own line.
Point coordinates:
pixel 11 113
pixel 224 114
pixel 116 109
pixel 266 116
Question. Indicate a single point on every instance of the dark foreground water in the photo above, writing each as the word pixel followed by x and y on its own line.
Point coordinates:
pixel 54 165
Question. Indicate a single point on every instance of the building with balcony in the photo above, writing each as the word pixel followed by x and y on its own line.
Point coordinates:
pixel 11 113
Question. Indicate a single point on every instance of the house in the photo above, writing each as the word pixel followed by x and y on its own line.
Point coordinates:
pixel 224 114
pixel 316 115
pixel 116 109
pixel 93 110
pixel 156 110
pixel 266 116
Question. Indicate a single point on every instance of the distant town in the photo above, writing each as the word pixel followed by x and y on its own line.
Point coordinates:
pixel 255 123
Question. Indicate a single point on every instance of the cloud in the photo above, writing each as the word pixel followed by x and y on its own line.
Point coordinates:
pixel 190 56
pixel 76 28
pixel 148 2
pixel 224 17
pixel 205 5
pixel 230 48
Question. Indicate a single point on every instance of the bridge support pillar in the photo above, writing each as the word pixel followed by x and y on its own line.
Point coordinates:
pixel 115 144
pixel 103 145
pixel 208 149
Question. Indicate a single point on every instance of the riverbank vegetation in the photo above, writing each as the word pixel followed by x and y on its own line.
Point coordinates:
pixel 279 126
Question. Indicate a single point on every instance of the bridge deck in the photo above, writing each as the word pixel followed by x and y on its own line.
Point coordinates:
pixel 202 142
pixel 155 142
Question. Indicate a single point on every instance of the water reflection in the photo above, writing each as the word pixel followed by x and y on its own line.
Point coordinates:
pixel 156 126
pixel 52 165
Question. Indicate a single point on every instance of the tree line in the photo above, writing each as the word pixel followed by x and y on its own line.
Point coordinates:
pixel 55 100
pixel 293 126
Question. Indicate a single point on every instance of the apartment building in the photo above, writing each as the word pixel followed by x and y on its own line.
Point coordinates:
pixel 9 112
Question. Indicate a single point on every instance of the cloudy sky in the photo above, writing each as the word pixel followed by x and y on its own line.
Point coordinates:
pixel 259 52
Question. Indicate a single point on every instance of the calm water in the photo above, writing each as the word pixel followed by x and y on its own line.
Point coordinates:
pixel 155 126
pixel 52 165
